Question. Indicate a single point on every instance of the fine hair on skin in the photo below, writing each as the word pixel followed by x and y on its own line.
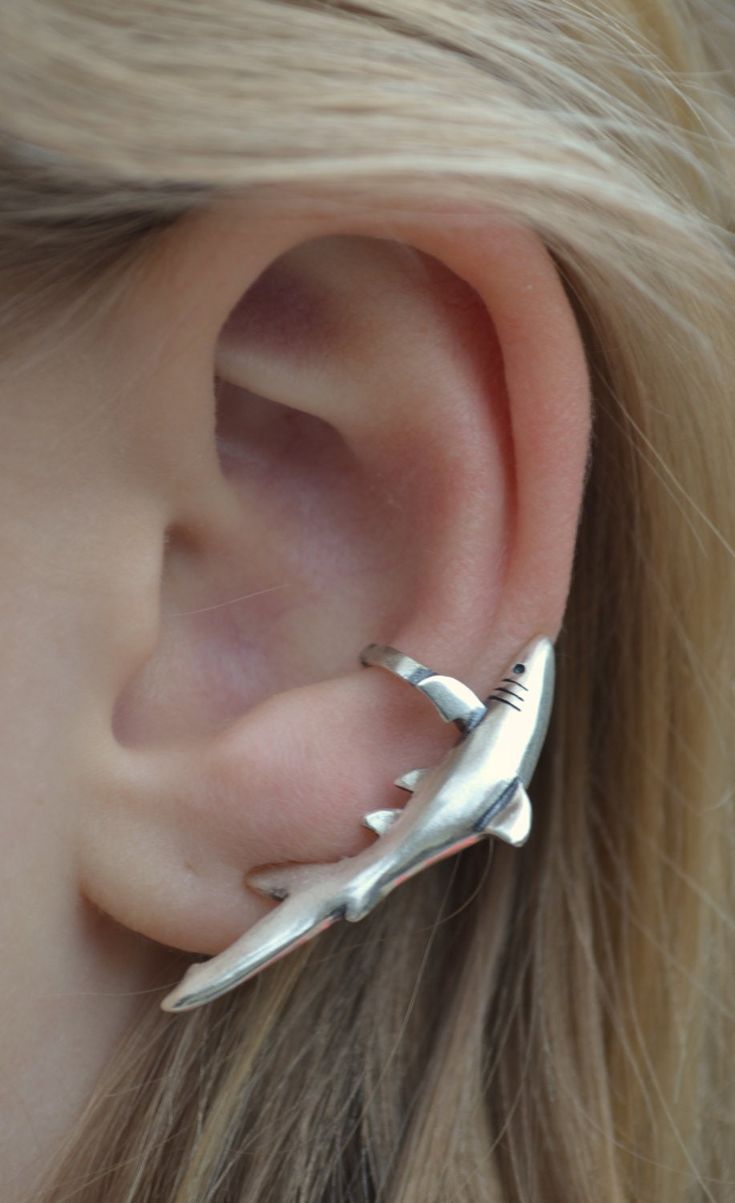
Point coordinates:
pixel 555 1027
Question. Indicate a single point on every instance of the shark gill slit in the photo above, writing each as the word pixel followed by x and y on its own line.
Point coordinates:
pixel 505 702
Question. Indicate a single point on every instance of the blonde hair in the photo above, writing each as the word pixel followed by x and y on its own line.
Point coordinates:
pixel 556 1025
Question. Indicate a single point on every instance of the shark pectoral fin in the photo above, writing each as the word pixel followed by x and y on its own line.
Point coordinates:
pixel 281 881
pixel 381 821
pixel 512 821
pixel 410 780
pixel 455 702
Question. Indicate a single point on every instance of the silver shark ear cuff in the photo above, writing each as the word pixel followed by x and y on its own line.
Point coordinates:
pixel 477 790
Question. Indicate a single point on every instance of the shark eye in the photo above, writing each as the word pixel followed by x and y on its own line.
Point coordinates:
pixel 519 668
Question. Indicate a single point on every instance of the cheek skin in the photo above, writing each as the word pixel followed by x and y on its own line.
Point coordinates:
pixel 60 959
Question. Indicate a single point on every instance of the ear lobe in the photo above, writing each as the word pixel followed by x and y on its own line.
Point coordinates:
pixel 406 439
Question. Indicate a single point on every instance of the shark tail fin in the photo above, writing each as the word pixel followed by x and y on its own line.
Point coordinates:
pixel 283 929
pixel 511 821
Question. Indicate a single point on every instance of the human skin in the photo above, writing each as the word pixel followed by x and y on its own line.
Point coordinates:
pixel 398 456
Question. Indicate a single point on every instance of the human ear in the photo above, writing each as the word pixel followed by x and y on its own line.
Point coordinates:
pixel 394 452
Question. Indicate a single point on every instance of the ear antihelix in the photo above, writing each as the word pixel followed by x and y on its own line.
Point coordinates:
pixel 476 791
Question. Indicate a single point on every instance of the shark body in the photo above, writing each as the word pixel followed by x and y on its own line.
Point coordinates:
pixel 477 790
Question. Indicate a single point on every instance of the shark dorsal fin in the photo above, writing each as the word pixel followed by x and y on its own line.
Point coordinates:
pixel 381 821
pixel 411 779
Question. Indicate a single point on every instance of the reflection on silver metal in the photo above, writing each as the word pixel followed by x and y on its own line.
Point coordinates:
pixel 476 790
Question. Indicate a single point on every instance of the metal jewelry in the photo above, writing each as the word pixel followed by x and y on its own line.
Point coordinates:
pixel 477 789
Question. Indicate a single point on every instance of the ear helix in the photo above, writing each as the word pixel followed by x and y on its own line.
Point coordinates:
pixel 477 790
